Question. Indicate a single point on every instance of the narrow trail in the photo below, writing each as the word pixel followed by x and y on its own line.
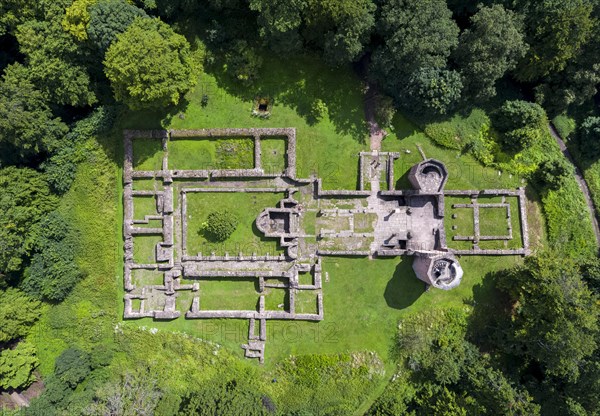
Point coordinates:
pixel 580 180
pixel 376 133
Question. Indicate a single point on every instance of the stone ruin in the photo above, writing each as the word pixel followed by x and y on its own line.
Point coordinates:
pixel 373 221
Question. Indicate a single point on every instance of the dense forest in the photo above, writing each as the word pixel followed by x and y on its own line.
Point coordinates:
pixel 73 70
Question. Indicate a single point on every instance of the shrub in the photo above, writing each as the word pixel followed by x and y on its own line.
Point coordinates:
pixel 553 173
pixel 588 136
pixel 243 62
pixel 384 110
pixel 17 365
pixel 518 114
pixel 60 168
pixel 53 272
pixel 18 312
pixel 72 366
pixel 521 138
pixel 444 134
pixel 225 397
pixel 220 225
pixel 433 91
pixel 318 109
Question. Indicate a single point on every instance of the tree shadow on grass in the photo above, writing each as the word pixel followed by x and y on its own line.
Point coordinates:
pixel 491 311
pixel 404 288
pixel 299 85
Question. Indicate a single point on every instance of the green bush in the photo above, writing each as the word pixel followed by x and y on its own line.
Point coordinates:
pixel 588 136
pixel 224 397
pixel 18 312
pixel 72 367
pixel 385 110
pixel 243 62
pixel 518 114
pixel 17 365
pixel 433 91
pixel 220 225
pixel 53 272
pixel 444 134
pixel 521 138
pixel 553 173
pixel 333 384
pixel 568 222
pixel 318 110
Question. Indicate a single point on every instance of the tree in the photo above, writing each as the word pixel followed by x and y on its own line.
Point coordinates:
pixel 17 365
pixel 72 366
pixel 27 125
pixel 576 84
pixel 432 91
pixel 340 28
pixel 18 312
pixel 588 136
pixel 416 34
pixel 52 60
pixel 490 47
pixel 555 317
pixel 445 374
pixel 518 114
pixel 385 109
pixel 149 65
pixel 25 198
pixel 556 31
pixel 552 174
pixel 53 272
pixel 109 18
pixel 279 22
pixel 136 393
pixel 243 62
pixel 220 225
pixel 77 17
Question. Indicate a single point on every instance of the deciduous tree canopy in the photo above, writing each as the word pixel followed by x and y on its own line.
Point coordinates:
pixel 149 65
pixel 24 199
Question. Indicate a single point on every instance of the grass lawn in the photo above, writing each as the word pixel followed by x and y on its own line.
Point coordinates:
pixel 219 153
pixel 246 238
pixel 230 294
pixel 493 222
pixel 147 154
pixel 144 205
pixel 464 172
pixel 144 248
pixel 364 223
pixel 275 297
pixel 142 277
pixel 328 148
pixel 273 155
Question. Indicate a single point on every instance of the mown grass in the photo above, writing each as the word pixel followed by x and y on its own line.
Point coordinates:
pixel 232 294
pixel 273 155
pixel 246 238
pixel 202 153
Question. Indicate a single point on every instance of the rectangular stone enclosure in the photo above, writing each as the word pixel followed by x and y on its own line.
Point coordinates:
pixel 270 266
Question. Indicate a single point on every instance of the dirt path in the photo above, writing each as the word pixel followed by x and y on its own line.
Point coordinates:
pixel 376 133
pixel 580 180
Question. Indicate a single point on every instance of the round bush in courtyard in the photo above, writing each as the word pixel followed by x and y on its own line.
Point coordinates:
pixel 219 225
